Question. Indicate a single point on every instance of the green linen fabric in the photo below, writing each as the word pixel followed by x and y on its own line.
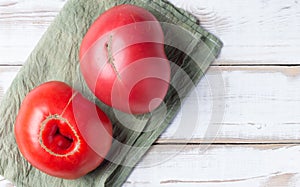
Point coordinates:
pixel 190 48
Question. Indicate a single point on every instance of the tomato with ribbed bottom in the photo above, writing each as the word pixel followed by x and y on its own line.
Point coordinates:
pixel 60 132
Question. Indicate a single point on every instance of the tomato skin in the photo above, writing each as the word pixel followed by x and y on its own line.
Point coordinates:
pixel 119 40
pixel 47 131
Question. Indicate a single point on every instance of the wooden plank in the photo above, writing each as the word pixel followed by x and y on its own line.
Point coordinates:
pixel 22 24
pixel 258 104
pixel 7 74
pixel 253 31
pixel 17 42
pixel 32 12
pixel 219 166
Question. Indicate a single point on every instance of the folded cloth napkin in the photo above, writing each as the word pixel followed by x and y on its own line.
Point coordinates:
pixel 188 46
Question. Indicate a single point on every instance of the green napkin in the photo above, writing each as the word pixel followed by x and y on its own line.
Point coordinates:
pixel 190 48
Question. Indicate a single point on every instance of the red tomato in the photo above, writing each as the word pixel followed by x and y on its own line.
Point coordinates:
pixel 123 61
pixel 49 128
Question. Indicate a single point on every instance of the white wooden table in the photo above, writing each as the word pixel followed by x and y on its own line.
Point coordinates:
pixel 258 140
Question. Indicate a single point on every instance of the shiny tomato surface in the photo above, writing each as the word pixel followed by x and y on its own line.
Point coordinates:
pixel 123 61
pixel 53 127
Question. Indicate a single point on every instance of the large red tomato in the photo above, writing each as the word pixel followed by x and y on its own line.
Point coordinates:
pixel 123 61
pixel 52 129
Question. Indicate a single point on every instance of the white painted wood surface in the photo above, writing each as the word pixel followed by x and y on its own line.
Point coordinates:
pixel 254 85
pixel 219 166
pixel 253 31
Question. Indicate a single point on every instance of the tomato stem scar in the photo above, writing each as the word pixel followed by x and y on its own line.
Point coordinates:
pixel 111 59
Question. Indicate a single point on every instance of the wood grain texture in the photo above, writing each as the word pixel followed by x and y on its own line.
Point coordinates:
pixel 253 104
pixel 259 105
pixel 253 31
pixel 7 74
pixel 219 165
pixel 22 24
